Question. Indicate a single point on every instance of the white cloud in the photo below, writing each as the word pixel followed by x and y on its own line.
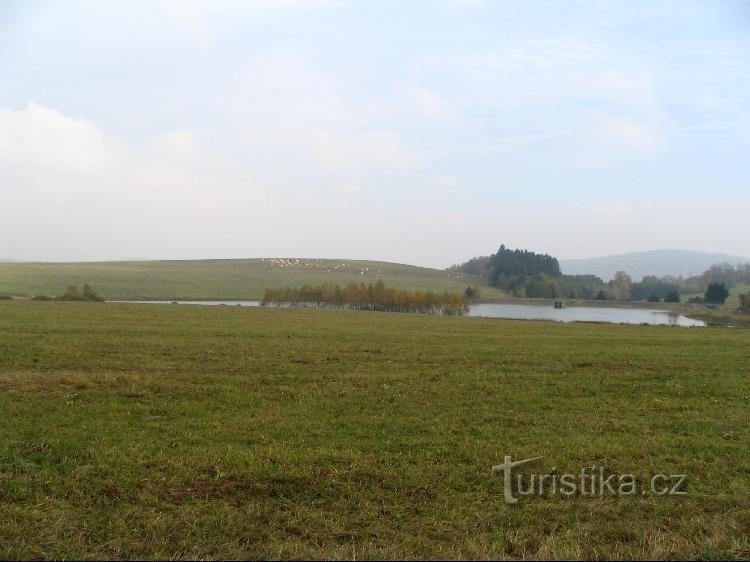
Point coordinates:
pixel 379 148
pixel 428 102
pixel 532 73
pixel 38 138
pixel 335 114
pixel 347 190
pixel 176 145
pixel 464 4
pixel 71 192
pixel 628 89
pixel 335 151
pixel 449 184
pixel 624 132
pixel 174 198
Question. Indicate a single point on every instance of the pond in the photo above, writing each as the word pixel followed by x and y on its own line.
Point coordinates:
pixel 583 314
pixel 534 312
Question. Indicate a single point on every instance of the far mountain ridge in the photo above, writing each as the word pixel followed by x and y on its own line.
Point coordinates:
pixel 652 262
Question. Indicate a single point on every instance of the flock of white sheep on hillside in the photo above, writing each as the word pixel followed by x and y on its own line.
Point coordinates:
pixel 327 267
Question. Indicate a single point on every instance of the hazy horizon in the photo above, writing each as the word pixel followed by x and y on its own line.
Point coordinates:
pixel 419 134
pixel 733 260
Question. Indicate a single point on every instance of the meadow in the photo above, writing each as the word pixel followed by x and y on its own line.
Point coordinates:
pixel 171 431
pixel 733 301
pixel 221 279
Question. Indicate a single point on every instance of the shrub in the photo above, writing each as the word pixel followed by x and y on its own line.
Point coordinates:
pixel 471 293
pixel 90 294
pixel 716 293
pixel 745 302
pixel 41 298
pixel 73 294
pixel 672 296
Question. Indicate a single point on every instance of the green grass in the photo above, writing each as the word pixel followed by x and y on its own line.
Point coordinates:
pixel 220 279
pixel 722 315
pixel 733 301
pixel 159 431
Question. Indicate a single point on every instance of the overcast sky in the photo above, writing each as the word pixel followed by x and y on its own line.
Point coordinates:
pixel 416 132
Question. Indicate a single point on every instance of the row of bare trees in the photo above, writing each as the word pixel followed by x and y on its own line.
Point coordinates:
pixel 367 297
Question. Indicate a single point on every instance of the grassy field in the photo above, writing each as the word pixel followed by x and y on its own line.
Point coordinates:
pixel 717 315
pixel 220 279
pixel 733 300
pixel 160 431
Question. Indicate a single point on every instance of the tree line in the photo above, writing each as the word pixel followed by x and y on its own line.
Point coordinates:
pixel 523 273
pixel 527 274
pixel 72 293
pixel 367 297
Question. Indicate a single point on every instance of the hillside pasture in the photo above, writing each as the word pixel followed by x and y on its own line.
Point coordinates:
pixel 221 279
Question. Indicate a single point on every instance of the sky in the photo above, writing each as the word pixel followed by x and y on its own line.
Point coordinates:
pixel 415 132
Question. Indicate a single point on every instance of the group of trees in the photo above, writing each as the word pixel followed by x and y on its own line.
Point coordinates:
pixel 72 293
pixel 650 288
pixel 367 297
pixel 526 274
pixel 506 265
pixel 724 273
pixel 716 293
pixel 665 289
pixel 653 289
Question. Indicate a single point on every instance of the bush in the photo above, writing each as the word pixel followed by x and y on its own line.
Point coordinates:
pixel 745 302
pixel 91 294
pixel 672 296
pixel 41 298
pixel 5 297
pixel 73 294
pixel 716 293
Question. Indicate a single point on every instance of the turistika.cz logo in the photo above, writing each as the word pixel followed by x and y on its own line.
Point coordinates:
pixel 591 481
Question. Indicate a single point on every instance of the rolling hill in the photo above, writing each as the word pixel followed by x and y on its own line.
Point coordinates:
pixel 220 279
pixel 655 262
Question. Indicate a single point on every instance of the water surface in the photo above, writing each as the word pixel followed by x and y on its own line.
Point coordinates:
pixel 584 314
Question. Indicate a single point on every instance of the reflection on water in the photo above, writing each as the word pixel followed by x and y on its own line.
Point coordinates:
pixel 583 314
pixel 534 312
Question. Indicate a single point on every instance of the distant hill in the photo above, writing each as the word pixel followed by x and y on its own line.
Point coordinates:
pixel 221 279
pixel 655 262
